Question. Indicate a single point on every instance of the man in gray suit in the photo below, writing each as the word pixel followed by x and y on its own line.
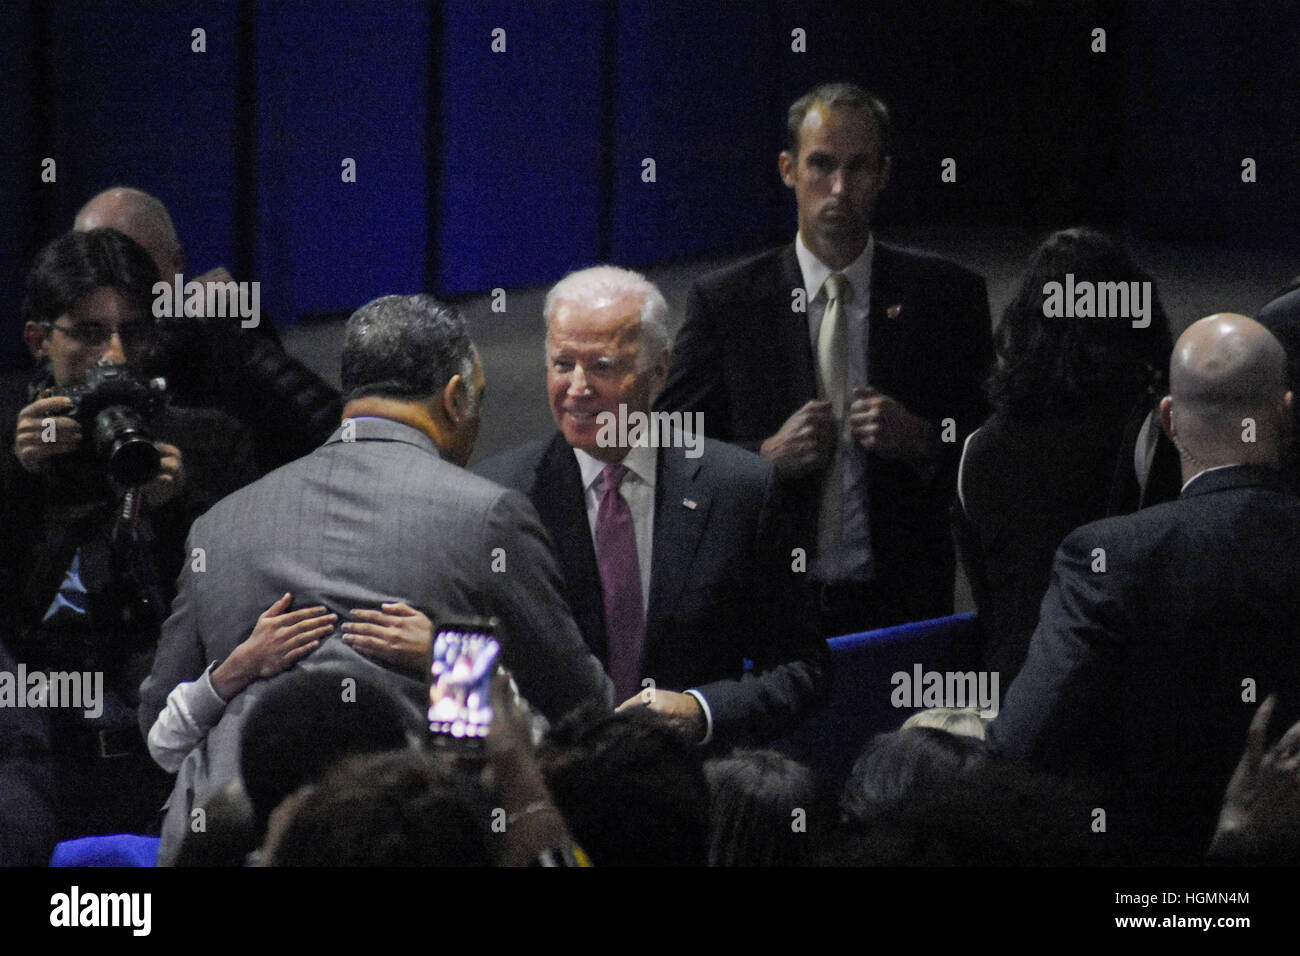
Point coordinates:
pixel 383 512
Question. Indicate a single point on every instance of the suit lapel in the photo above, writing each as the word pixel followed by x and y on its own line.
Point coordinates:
pixel 557 494
pixel 793 342
pixel 883 330
pixel 681 515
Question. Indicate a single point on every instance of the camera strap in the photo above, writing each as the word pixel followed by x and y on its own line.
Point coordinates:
pixel 133 551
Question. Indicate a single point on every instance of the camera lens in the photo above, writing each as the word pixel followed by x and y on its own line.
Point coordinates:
pixel 125 446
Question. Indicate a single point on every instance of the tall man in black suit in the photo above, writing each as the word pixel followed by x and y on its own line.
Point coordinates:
pixel 863 415
pixel 1162 628
pixel 675 565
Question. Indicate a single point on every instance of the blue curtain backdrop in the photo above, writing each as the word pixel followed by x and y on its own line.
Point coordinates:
pixel 478 169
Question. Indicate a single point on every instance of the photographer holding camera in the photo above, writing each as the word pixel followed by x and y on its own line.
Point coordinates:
pixel 101 485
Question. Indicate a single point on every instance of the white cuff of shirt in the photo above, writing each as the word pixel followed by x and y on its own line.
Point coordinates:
pixel 708 716
pixel 193 708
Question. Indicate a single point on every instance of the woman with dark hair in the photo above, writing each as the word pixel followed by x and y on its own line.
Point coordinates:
pixel 1071 438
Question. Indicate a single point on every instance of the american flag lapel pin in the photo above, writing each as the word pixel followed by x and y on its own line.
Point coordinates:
pixel 689 503
pixel 895 310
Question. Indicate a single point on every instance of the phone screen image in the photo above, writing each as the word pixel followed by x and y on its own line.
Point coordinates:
pixel 460 677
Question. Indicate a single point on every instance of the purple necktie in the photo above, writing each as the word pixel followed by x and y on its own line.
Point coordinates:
pixel 621 575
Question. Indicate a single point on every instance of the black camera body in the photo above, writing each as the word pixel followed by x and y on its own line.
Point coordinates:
pixel 113 408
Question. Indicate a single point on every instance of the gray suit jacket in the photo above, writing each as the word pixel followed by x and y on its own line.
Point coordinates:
pixel 356 523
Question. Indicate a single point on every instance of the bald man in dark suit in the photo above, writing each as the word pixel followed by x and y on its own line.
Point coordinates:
pixel 1161 629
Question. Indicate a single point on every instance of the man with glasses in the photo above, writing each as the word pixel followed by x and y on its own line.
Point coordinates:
pixel 88 561
pixel 99 329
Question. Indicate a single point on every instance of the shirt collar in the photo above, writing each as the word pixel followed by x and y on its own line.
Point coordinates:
pixel 1205 471
pixel 640 460
pixel 815 272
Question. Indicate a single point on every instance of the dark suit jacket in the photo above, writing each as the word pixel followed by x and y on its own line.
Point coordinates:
pixel 721 586
pixel 374 518
pixel 1136 673
pixel 287 408
pixel 27 818
pixel 744 359
pixel 1282 318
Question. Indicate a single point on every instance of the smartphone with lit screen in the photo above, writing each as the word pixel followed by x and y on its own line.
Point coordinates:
pixel 464 658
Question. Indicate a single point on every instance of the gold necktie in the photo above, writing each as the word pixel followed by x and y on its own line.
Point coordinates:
pixel 832 356
pixel 832 366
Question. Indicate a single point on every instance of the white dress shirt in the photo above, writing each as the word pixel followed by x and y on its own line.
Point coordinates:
pixel 1206 471
pixel 193 708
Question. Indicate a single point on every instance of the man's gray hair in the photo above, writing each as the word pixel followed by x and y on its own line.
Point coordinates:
pixel 405 346
pixel 612 282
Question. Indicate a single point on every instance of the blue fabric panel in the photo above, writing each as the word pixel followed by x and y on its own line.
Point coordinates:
pixel 336 81
pixel 520 143
pixel 122 849
pixel 19 169
pixel 860 706
pixel 134 105
pixel 695 93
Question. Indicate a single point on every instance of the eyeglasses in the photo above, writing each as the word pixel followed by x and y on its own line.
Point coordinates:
pixel 134 335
